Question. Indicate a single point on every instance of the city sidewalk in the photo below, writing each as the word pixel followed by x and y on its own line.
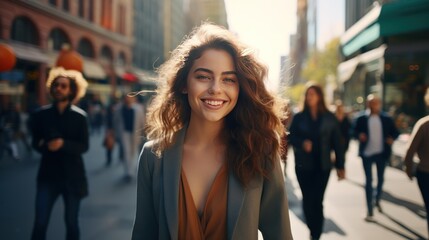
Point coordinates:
pixel 345 208
pixel 106 214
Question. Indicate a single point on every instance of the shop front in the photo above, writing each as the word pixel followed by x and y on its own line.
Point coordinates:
pixel 385 53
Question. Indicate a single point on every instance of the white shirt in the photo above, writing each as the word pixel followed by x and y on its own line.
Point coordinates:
pixel 375 142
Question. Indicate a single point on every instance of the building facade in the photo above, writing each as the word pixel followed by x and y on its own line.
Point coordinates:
pixel 175 27
pixel 385 53
pixel 100 30
pixel 148 50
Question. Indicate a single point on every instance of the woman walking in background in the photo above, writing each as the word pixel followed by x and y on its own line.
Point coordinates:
pixel 314 132
pixel 212 167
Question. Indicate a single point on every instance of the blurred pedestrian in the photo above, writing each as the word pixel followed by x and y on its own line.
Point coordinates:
pixel 419 143
pixel 314 132
pixel 212 169
pixel 96 114
pixel 129 121
pixel 11 126
pixel 60 135
pixel 345 123
pixel 375 131
pixel 109 137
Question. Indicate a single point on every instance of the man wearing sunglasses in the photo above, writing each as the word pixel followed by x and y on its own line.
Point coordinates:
pixel 60 135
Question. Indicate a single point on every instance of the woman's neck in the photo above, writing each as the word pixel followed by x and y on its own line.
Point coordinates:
pixel 204 133
pixel 313 112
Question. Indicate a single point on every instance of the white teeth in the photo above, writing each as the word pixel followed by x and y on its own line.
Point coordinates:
pixel 213 103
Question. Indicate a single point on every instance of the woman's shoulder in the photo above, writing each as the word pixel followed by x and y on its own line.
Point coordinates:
pixel 149 147
pixel 148 155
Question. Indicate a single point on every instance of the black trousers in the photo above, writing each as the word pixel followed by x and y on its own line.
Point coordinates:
pixel 423 181
pixel 313 185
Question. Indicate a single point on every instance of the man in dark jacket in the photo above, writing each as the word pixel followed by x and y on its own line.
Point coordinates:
pixel 376 132
pixel 60 134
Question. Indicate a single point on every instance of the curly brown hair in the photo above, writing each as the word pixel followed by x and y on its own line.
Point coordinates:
pixel 253 128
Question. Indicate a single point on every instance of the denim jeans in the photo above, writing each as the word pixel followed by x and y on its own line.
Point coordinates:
pixel 47 194
pixel 380 163
pixel 423 181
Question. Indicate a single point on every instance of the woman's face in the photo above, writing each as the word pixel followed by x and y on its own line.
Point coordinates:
pixel 212 86
pixel 312 98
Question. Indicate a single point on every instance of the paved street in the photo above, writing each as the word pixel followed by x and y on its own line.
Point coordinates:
pixel 108 212
pixel 345 208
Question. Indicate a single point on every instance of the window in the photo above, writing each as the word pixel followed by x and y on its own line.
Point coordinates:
pixel 91 10
pixel 106 14
pixel 53 2
pixel 57 38
pixel 66 5
pixel 106 54
pixel 85 48
pixel 81 8
pixel 24 30
pixel 121 19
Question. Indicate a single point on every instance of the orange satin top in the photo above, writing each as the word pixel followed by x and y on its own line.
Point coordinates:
pixel 211 225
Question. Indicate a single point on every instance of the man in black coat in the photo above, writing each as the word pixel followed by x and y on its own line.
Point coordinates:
pixel 60 134
pixel 376 132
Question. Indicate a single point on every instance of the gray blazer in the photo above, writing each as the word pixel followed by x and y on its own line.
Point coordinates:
pixel 262 205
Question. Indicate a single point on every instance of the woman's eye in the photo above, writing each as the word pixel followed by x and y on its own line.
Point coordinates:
pixel 230 80
pixel 203 77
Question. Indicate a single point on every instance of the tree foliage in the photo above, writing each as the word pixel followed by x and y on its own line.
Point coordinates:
pixel 322 63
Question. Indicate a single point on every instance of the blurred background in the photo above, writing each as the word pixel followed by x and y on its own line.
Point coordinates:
pixel 351 47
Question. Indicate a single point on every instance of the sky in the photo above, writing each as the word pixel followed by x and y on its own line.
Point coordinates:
pixel 266 26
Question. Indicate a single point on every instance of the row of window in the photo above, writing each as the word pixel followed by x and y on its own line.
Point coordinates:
pixel 106 12
pixel 65 5
pixel 24 30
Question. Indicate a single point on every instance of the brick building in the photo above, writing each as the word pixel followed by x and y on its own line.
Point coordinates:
pixel 100 30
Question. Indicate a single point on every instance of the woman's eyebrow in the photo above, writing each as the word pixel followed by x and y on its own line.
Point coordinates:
pixel 211 72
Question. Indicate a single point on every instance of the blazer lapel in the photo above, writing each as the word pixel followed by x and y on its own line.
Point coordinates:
pixel 171 175
pixel 236 195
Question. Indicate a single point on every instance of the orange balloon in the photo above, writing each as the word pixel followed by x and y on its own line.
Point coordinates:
pixel 7 58
pixel 70 60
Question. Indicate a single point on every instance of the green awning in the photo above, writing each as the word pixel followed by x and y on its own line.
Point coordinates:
pixel 364 38
pixel 394 18
pixel 404 16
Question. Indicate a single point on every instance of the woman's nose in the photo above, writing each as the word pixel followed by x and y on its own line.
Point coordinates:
pixel 215 87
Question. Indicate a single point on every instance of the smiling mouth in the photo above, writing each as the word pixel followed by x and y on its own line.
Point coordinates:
pixel 214 103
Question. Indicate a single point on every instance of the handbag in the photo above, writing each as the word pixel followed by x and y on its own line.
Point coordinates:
pixel 109 140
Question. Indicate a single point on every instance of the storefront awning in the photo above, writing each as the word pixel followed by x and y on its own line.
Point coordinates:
pixel 404 16
pixel 29 53
pixel 93 69
pixel 347 68
pixel 393 18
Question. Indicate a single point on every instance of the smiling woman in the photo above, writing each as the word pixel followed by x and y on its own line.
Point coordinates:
pixel 212 167
pixel 212 87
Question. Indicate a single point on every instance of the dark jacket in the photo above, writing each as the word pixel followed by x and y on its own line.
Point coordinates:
pixel 329 137
pixel 66 165
pixel 360 125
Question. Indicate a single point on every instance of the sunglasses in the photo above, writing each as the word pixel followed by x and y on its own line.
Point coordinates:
pixel 60 85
